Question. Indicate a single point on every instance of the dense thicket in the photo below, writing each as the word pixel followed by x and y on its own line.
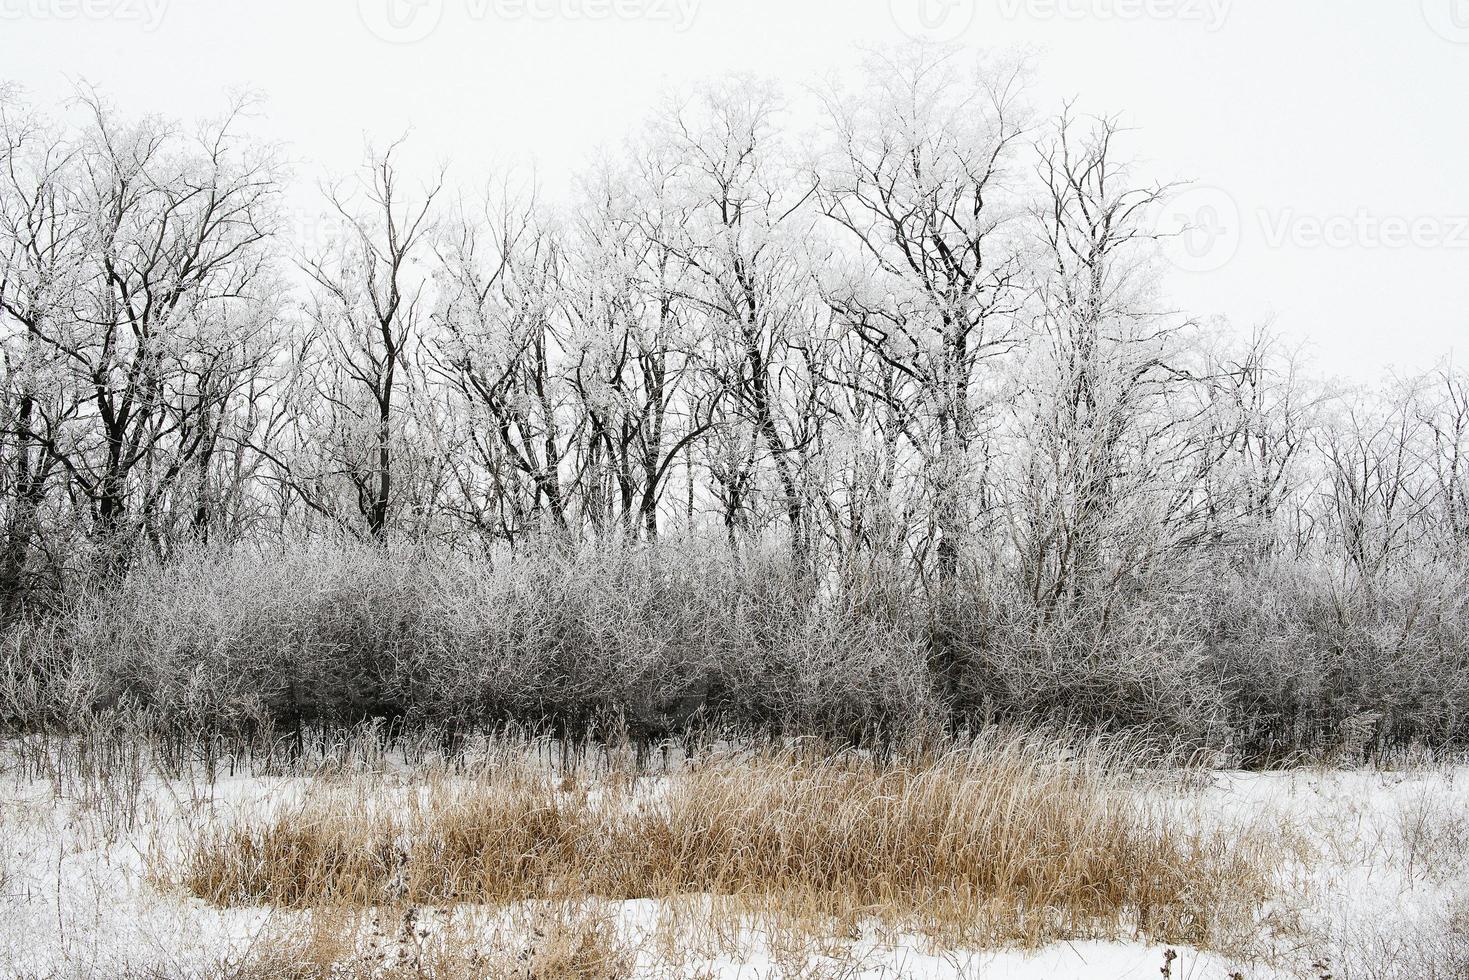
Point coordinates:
pixel 659 641
pixel 881 424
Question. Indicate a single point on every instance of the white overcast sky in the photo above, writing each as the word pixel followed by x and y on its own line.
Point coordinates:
pixel 1329 138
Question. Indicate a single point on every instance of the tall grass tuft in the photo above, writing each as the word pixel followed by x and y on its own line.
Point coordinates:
pixel 1005 838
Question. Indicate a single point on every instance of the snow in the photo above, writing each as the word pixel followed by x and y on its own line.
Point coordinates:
pixel 1379 868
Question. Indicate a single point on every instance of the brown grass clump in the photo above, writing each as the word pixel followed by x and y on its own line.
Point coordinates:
pixel 556 943
pixel 999 839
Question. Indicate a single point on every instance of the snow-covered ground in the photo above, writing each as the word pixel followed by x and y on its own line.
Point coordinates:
pixel 1376 884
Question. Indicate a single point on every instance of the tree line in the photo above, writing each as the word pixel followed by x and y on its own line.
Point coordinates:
pixel 929 333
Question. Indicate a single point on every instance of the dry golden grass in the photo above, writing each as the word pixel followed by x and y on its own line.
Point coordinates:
pixel 562 942
pixel 1003 839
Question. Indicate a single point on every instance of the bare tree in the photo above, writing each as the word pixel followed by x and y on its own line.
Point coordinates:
pixel 1260 412
pixel 1101 438
pixel 502 351
pixel 41 236
pixel 367 311
pixel 637 353
pixel 922 174
pixel 141 277
pixel 1375 492
pixel 749 285
pixel 1447 419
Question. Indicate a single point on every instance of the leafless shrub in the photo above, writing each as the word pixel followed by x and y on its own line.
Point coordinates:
pixel 215 652
pixel 1434 837
pixel 1436 948
pixel 1298 656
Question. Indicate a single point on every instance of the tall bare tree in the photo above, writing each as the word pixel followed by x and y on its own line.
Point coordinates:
pixel 140 274
pixel 503 352
pixel 367 311
pixel 748 283
pixel 1102 437
pixel 923 175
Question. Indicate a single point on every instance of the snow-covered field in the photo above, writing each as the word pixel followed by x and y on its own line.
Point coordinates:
pixel 1374 883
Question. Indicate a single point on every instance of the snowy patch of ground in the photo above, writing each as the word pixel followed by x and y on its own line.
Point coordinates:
pixel 1377 885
